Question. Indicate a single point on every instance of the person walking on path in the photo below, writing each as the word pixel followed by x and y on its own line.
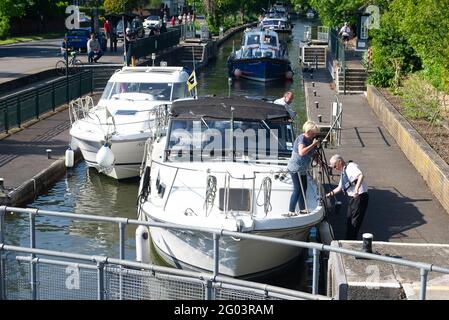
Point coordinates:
pixel 286 101
pixel 107 31
pixel 353 184
pixel 345 32
pixel 304 149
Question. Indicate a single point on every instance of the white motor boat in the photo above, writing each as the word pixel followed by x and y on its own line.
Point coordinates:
pixel 223 165
pixel 112 134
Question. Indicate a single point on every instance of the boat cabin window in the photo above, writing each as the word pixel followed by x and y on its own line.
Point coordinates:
pixel 213 140
pixel 180 90
pixel 148 91
pixel 253 39
pixel 270 40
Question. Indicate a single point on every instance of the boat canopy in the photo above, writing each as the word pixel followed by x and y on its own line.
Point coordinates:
pixel 225 108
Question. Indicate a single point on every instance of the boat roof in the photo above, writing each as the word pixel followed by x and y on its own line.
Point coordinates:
pixel 150 74
pixel 221 108
pixel 274 18
pixel 269 32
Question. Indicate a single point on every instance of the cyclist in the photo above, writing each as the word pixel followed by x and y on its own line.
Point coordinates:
pixel 93 49
pixel 345 32
pixel 64 51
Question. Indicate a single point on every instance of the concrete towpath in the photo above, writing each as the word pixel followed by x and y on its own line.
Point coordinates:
pixel 23 154
pixel 401 206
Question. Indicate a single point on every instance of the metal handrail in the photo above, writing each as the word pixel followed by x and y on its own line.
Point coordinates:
pixel 218 281
pixel 423 267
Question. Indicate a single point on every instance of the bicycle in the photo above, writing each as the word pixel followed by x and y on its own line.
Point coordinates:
pixel 74 65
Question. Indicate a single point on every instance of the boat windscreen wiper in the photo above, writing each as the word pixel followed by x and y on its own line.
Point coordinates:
pixel 272 134
pixel 205 123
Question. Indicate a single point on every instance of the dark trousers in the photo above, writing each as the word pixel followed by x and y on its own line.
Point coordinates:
pixel 354 217
pixel 93 57
pixel 297 197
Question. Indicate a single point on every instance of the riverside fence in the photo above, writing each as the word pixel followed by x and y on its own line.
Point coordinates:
pixel 29 104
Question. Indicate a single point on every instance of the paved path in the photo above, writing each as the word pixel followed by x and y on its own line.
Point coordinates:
pixel 26 58
pixel 23 154
pixel 401 207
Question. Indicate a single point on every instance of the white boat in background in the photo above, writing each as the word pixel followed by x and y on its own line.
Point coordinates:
pixel 112 134
pixel 278 23
pixel 204 174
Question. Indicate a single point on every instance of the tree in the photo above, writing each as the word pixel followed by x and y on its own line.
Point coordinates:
pixel 426 26
pixel 9 9
pixel 120 6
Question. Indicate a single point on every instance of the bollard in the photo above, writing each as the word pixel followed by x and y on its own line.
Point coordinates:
pixel 313 84
pixel 368 242
pixel 319 117
pixel 316 104
pixel 314 93
pixel 48 153
pixel 325 143
pixel 2 185
pixel 311 76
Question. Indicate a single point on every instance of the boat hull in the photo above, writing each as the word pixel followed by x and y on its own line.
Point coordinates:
pixel 128 156
pixel 238 257
pixel 260 69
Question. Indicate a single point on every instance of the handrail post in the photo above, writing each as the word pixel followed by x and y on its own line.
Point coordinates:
pixel 33 246
pixel 121 254
pixel 422 291
pixel 122 226
pixel 316 255
pixel 53 98
pixel 19 112
pixel 91 80
pixel 100 280
pixel 216 261
pixel 37 103
pixel 5 118
pixel 2 263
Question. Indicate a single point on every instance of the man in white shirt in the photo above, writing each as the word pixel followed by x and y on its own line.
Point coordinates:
pixel 286 101
pixel 352 183
pixel 93 49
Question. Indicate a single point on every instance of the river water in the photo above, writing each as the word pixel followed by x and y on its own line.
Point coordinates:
pixel 84 191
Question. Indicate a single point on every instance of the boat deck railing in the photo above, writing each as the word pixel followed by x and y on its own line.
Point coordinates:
pixel 32 273
pixel 80 110
pixel 261 193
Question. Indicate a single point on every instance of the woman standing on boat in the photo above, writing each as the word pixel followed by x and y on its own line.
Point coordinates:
pixel 303 151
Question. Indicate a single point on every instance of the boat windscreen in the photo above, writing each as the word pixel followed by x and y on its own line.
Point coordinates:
pixel 219 140
pixel 151 91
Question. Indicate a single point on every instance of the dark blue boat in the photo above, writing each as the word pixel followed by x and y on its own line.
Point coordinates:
pixel 262 57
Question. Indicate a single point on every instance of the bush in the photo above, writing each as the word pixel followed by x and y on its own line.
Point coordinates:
pixel 381 77
pixel 4 27
pixel 420 99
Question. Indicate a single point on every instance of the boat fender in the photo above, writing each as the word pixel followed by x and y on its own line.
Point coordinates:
pixel 289 75
pixel 237 73
pixel 105 157
pixel 69 158
pixel 142 245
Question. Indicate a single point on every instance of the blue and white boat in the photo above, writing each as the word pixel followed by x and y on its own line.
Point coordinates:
pixel 262 57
